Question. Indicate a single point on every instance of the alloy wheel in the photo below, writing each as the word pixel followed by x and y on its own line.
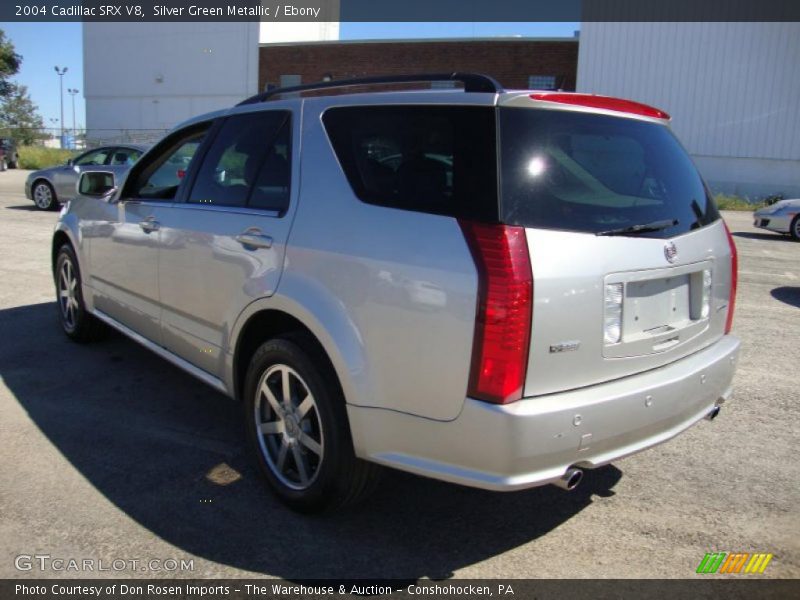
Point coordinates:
pixel 43 196
pixel 289 429
pixel 68 294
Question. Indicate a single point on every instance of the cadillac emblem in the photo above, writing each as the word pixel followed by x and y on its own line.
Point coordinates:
pixel 670 252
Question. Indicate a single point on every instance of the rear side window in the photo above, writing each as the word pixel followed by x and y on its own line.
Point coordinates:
pixel 434 159
pixel 124 156
pixel 594 173
pixel 249 155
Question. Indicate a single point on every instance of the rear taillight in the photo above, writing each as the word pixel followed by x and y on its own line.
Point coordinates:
pixel 602 102
pixel 503 321
pixel 734 279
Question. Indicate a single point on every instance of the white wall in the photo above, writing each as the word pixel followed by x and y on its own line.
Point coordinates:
pixel 327 28
pixel 273 33
pixel 150 76
pixel 733 90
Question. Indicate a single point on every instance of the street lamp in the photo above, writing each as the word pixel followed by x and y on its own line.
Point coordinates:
pixel 60 73
pixel 72 92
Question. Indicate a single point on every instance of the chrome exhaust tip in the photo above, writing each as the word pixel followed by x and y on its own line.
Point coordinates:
pixel 570 479
pixel 712 414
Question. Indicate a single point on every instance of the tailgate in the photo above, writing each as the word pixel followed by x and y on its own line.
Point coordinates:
pixel 662 317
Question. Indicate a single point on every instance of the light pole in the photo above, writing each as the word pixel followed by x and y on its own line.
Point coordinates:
pixel 72 92
pixel 60 73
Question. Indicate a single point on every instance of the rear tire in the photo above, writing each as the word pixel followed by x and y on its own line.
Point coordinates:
pixel 298 431
pixel 44 196
pixel 76 322
pixel 794 229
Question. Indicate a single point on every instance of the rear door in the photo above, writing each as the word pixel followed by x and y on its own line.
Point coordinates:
pixel 223 246
pixel 630 259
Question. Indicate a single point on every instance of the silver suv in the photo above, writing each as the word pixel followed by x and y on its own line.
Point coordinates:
pixel 493 288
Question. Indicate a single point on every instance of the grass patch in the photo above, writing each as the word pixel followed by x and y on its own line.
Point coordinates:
pixel 39 157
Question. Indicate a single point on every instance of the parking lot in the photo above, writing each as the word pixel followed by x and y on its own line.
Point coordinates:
pixel 109 453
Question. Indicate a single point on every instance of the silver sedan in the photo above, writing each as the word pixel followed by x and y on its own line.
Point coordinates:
pixel 50 187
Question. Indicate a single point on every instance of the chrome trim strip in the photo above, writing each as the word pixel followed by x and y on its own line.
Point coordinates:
pixel 203 376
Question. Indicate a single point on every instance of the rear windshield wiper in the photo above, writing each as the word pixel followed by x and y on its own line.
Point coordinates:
pixel 643 228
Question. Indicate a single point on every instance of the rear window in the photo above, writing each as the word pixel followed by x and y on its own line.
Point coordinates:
pixel 435 159
pixel 594 173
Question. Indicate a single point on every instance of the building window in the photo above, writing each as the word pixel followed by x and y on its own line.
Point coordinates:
pixel 542 82
pixel 290 80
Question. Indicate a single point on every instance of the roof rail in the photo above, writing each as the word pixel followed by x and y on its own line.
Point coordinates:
pixel 473 82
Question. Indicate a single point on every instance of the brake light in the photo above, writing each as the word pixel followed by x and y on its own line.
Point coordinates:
pixel 181 173
pixel 734 279
pixel 604 102
pixel 503 321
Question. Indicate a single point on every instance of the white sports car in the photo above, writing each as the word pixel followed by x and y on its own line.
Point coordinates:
pixel 781 217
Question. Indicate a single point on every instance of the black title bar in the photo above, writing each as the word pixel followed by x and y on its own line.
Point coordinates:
pixel 399 10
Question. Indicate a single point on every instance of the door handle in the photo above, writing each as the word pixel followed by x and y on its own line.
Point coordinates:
pixel 149 225
pixel 253 238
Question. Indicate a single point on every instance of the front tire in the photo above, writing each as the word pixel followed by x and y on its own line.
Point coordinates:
pixel 76 322
pixel 298 431
pixel 794 229
pixel 44 196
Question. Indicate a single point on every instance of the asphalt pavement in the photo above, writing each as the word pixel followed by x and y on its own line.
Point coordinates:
pixel 111 454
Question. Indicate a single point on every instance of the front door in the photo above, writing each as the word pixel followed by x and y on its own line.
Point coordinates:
pixel 125 250
pixel 65 178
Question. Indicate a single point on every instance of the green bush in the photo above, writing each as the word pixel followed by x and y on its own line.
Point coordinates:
pixel 39 157
pixel 726 202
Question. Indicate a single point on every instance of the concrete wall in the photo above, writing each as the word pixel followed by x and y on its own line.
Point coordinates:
pixel 733 90
pixel 151 76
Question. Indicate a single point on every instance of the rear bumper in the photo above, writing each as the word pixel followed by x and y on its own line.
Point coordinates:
pixel 533 441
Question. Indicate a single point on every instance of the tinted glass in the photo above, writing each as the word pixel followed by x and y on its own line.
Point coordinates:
pixel 160 180
pixel 235 158
pixel 96 157
pixel 124 156
pixel 593 173
pixel 271 188
pixel 437 159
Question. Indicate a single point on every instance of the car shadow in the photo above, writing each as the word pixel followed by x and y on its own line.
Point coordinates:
pixel 773 237
pixel 168 451
pixel 787 294
pixel 30 207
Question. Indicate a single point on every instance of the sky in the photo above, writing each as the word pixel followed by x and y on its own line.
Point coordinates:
pixel 46 45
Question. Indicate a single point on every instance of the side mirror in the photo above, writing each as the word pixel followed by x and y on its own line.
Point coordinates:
pixel 69 162
pixel 97 184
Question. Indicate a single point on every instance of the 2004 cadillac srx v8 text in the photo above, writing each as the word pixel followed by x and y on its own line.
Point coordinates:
pixel 494 288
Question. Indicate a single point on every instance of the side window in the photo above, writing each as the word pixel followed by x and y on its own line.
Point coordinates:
pixel 435 159
pixel 96 157
pixel 271 188
pixel 244 158
pixel 160 177
pixel 124 156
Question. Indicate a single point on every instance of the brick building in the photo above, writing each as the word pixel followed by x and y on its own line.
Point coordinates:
pixel 547 63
